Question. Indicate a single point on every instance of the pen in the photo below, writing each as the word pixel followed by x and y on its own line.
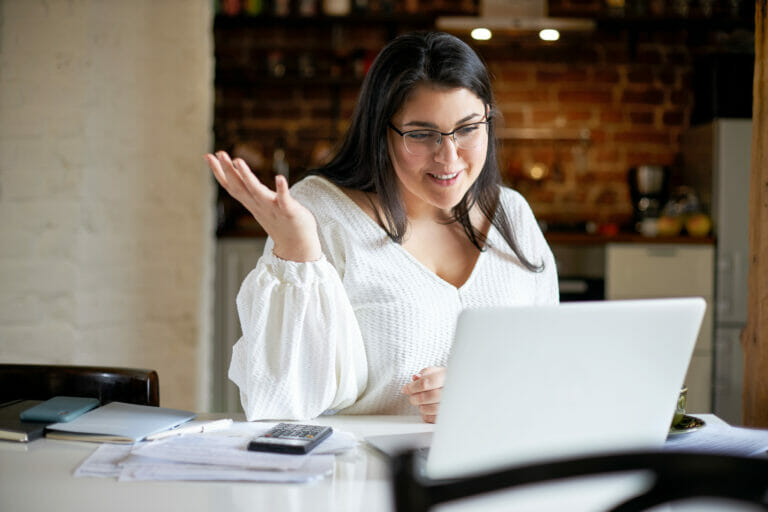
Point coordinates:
pixel 191 429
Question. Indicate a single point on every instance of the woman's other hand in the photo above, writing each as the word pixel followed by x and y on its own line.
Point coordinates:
pixel 424 391
pixel 290 225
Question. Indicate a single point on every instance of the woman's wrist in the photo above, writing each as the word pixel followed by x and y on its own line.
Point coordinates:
pixel 299 253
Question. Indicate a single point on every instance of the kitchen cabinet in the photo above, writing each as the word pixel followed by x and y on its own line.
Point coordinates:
pixel 640 271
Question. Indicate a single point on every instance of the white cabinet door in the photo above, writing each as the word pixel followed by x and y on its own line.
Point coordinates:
pixel 235 258
pixel 643 271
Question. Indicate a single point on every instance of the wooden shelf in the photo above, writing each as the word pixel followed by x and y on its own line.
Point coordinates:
pixel 659 24
pixel 546 134
pixel 322 20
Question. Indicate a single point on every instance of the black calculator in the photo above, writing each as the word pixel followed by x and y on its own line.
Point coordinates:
pixel 290 438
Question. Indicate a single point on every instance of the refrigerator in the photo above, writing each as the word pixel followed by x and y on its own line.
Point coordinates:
pixel 716 163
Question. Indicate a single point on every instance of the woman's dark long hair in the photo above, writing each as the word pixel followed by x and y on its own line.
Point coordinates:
pixel 363 163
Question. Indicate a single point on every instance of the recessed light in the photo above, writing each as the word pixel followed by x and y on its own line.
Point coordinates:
pixel 549 34
pixel 481 34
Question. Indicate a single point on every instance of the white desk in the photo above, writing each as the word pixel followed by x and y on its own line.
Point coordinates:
pixel 38 477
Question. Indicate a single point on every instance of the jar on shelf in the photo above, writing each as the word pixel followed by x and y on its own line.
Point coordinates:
pixel 336 7
pixel 281 7
pixel 307 7
pixel 253 7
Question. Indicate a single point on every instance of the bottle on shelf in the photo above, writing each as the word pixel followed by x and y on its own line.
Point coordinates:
pixel 229 7
pixel 411 6
pixel 276 64
pixel 281 8
pixel 615 7
pixel 279 161
pixel 336 7
pixel 360 6
pixel 253 7
pixel 307 8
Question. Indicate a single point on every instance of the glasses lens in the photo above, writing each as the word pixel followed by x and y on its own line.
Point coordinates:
pixel 421 142
pixel 427 142
pixel 470 136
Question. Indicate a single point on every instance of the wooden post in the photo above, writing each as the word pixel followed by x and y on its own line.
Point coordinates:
pixel 754 338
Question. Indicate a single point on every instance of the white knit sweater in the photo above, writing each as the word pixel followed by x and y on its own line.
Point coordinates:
pixel 346 332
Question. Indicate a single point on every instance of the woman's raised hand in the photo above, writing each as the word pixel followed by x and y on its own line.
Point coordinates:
pixel 290 225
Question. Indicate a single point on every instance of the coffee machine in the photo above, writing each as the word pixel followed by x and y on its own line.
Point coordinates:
pixel 648 189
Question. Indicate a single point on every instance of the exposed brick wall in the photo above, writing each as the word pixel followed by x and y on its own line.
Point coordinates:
pixel 632 91
pixel 634 108
pixel 106 249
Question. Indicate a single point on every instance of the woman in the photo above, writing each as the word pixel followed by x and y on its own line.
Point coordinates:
pixel 370 259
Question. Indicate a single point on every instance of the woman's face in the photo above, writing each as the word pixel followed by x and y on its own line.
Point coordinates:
pixel 439 179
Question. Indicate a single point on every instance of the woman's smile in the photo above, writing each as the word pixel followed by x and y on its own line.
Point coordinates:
pixel 445 179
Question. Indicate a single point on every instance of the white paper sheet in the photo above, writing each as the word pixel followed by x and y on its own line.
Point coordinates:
pixel 217 450
pixel 220 455
pixel 104 461
pixel 338 442
pixel 229 448
pixel 140 468
pixel 722 439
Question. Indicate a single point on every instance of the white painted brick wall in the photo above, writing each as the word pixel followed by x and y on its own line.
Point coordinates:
pixel 106 206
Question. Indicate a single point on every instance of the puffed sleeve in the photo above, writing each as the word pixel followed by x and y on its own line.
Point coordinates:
pixel 301 353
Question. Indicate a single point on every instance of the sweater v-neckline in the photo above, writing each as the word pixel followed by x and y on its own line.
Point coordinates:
pixel 380 231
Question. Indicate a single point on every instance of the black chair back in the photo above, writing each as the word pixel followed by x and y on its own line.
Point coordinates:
pixel 108 384
pixel 678 476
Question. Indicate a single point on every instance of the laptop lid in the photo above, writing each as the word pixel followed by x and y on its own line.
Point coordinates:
pixel 545 382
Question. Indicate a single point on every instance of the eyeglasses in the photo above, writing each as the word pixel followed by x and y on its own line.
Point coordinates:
pixel 427 142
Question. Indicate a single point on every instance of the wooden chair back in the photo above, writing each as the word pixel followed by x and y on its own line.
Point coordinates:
pixel 108 384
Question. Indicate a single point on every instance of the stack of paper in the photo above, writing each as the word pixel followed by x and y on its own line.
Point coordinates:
pixel 11 426
pixel 220 455
pixel 722 439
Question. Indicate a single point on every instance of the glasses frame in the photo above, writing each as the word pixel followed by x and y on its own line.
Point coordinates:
pixel 452 134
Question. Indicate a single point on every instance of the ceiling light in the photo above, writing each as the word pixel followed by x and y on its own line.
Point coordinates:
pixel 549 34
pixel 481 34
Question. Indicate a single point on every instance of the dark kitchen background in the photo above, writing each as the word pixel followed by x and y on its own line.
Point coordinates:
pixel 578 113
pixel 629 136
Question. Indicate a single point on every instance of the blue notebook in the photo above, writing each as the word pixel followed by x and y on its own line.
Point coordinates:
pixel 60 409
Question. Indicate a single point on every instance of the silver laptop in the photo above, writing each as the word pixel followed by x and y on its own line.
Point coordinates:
pixel 527 384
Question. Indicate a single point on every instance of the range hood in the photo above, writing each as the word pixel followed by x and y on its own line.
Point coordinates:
pixel 513 16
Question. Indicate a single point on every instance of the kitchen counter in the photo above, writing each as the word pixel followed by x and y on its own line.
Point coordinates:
pixel 576 238
pixel 553 237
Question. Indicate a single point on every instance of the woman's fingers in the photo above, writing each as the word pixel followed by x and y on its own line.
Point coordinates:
pixel 281 189
pixel 429 409
pixel 255 188
pixel 218 172
pixel 238 179
pixel 429 378
pixel 226 175
pixel 425 391
pixel 426 397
